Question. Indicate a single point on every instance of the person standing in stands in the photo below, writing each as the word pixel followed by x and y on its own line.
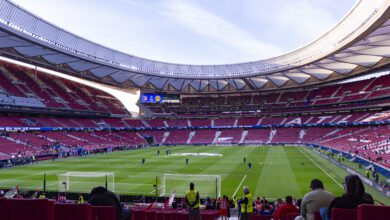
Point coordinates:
pixel 193 203
pixel 246 204
pixel 317 198
pixel 223 207
pixel 285 209
pixel 354 195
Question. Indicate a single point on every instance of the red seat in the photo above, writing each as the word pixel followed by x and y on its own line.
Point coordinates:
pixel 31 209
pixel 209 215
pixel 73 211
pixel 373 212
pixel 137 214
pixel 3 209
pixel 261 217
pixel 150 215
pixel 291 216
pixel 343 214
pixel 317 215
pixel 103 212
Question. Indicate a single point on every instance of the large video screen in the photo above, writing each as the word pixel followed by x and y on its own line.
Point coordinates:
pixel 159 98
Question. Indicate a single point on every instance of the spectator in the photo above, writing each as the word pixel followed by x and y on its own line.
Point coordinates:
pixel 286 208
pixel 193 202
pixel 317 198
pixel 100 196
pixel 277 204
pixel 61 198
pixel 267 210
pixel 223 207
pixel 246 204
pixel 354 195
pixel 263 200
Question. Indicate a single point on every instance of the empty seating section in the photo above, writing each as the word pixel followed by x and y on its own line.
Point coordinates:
pixel 257 136
pixel 272 120
pixel 203 137
pixel 286 135
pixel 232 136
pixel 156 123
pixel 224 122
pixel 133 122
pixel 290 96
pixel 10 122
pixel 316 134
pixel 11 147
pixel 200 122
pixel 55 92
pixel 247 121
pixel 157 135
pixel 352 94
pixel 177 123
pixel 177 137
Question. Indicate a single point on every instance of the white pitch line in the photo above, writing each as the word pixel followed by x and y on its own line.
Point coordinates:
pixel 23 177
pixel 238 187
pixel 155 189
pixel 321 168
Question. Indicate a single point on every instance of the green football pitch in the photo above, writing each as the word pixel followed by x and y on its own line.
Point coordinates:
pixel 275 173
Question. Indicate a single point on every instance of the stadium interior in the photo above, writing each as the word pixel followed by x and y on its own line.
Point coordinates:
pixel 338 103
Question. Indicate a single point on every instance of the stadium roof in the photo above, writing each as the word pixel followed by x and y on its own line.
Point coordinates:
pixel 359 42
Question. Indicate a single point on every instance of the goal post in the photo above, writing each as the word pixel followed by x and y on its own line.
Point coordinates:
pixel 85 181
pixel 207 185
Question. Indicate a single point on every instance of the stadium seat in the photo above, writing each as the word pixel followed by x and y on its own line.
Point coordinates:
pixel 3 209
pixel 73 211
pixel 137 214
pixel 209 215
pixel 261 217
pixel 372 212
pixel 291 216
pixel 103 212
pixel 150 215
pixel 317 215
pixel 31 209
pixel 343 214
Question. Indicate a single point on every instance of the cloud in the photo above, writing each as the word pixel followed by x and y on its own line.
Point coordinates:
pixel 304 19
pixel 208 25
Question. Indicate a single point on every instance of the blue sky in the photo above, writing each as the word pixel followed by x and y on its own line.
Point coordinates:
pixel 195 32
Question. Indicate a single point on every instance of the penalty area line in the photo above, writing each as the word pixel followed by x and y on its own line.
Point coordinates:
pixel 321 168
pixel 238 187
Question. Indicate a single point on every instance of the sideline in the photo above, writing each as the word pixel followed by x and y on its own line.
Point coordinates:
pixel 320 168
pixel 238 187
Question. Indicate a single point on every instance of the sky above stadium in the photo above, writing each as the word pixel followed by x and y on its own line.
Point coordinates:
pixel 195 32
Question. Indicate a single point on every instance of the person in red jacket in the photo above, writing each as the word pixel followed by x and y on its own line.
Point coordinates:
pixel 285 209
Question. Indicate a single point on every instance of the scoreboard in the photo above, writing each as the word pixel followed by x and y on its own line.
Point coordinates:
pixel 159 98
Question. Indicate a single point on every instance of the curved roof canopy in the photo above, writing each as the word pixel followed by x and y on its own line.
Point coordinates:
pixel 357 43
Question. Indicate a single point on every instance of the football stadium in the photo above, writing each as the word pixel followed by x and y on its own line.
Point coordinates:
pixel 90 132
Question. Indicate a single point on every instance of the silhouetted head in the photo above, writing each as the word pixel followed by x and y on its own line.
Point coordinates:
pixel 97 190
pixel 354 186
pixel 289 199
pixel 316 184
pixel 192 186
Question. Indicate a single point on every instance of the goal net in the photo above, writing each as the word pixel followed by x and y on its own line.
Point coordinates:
pixel 224 141
pixel 85 181
pixel 207 185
